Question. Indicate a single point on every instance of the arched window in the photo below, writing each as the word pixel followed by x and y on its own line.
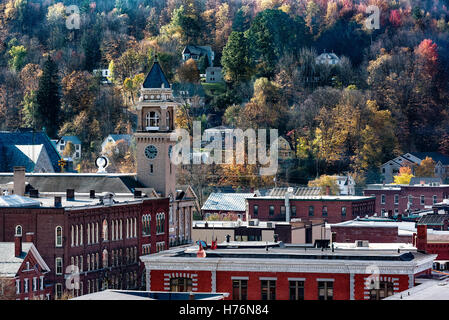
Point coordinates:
pixel 105 258
pixel 135 227
pixel 97 261
pixel 88 262
pixel 127 256
pixel 58 236
pixel 112 231
pixel 76 235
pixel 96 233
pixel 88 233
pixel 88 286
pixel 167 119
pixel 152 119
pixel 81 264
pixel 127 228
pixel 18 231
pixel 121 229
pixel 73 236
pixel 92 240
pixel 105 230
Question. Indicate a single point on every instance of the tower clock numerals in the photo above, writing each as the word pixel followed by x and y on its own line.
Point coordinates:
pixel 151 152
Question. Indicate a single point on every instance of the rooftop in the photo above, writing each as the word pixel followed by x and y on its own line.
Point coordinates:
pixel 112 294
pixel 227 201
pixel 428 290
pixel 81 182
pixel 156 78
pixel 318 198
pixel 9 263
pixel 47 200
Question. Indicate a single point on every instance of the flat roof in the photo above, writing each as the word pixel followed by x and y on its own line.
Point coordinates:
pixel 427 290
pixel 113 294
pixel 319 198
pixel 47 200
pixel 344 251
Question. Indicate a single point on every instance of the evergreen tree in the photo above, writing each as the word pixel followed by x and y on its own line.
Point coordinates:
pixel 48 103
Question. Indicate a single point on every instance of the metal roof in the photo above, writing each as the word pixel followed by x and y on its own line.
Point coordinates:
pixel 9 263
pixel 156 78
pixel 16 201
pixel 227 201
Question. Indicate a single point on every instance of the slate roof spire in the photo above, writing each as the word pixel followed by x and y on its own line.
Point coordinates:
pixel 156 77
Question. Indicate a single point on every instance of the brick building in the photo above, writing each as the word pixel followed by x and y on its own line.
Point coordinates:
pixel 332 209
pixel 23 272
pixel 373 230
pixel 287 273
pixel 100 234
pixel 396 199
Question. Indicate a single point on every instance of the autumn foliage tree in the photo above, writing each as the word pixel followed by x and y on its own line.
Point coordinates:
pixel 326 183
pixel 426 168
pixel 404 176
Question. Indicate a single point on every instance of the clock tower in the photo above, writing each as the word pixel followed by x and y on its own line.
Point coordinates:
pixel 155 113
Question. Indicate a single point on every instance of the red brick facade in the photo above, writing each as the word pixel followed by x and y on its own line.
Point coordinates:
pixel 119 267
pixel 341 283
pixel 332 211
pixel 396 198
pixel 372 234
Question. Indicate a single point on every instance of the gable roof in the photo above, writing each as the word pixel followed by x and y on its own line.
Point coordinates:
pixel 117 137
pixel 72 139
pixel 227 201
pixel 24 148
pixel 156 77
pixel 425 180
pixel 436 156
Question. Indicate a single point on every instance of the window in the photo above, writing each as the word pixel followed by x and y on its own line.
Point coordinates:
pixel 382 199
pixel 58 290
pixel 25 285
pixel 385 290
pixel 324 211
pixel 410 199
pixel 311 211
pixel 434 199
pixel 296 290
pixel 422 200
pixel 105 230
pixel 152 119
pixel 239 289
pixel 167 119
pixel 58 236
pixel 325 290
pixel 58 265
pixel 18 230
pixel 343 211
pixel 18 286
pixel 268 289
pixel 256 210
pixel 396 199
pixel 105 258
pixel 271 211
pixel 151 168
pixel 34 284
pixel 283 210
pixel 41 282
pixel 396 211
pixel 293 211
pixel 180 284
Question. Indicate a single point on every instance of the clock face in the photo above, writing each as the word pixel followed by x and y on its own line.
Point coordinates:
pixel 151 152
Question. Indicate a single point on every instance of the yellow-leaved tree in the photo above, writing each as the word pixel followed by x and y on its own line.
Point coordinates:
pixel 324 182
pixel 426 168
pixel 404 176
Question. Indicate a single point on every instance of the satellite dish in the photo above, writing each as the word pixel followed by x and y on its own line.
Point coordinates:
pixel 102 162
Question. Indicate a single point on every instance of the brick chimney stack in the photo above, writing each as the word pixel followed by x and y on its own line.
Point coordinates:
pixel 421 239
pixel 17 246
pixel 29 237
pixel 19 181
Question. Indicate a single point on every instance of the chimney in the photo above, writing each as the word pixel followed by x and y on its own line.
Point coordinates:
pixel 92 194
pixel 328 190
pixel 58 202
pixel 137 194
pixel 421 239
pixel 70 194
pixel 29 237
pixel 19 181
pixel 34 193
pixel 17 246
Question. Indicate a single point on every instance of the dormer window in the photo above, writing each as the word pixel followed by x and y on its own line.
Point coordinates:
pixel 152 120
